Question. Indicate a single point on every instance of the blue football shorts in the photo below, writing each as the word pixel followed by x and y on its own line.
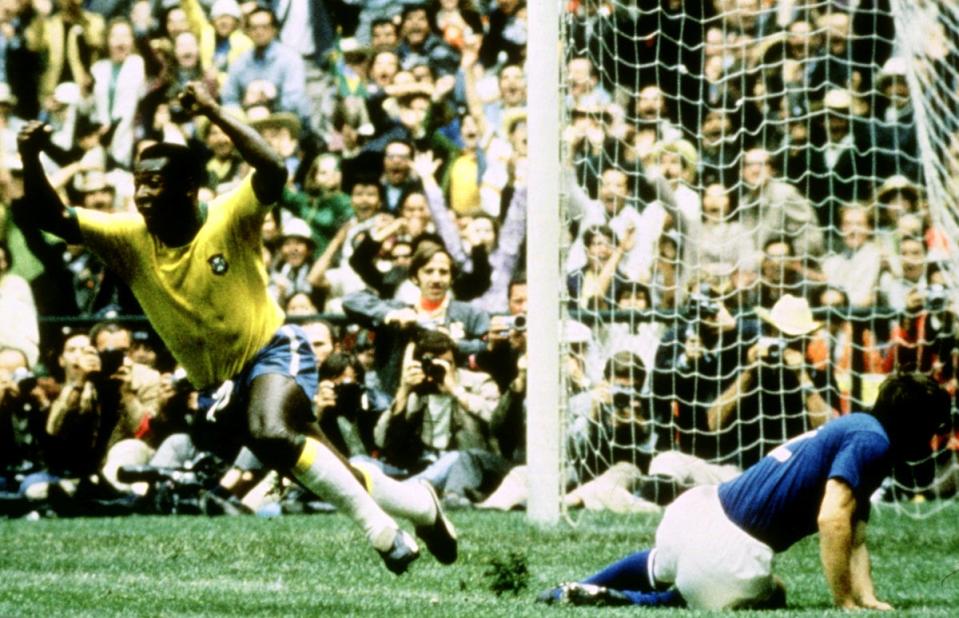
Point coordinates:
pixel 288 353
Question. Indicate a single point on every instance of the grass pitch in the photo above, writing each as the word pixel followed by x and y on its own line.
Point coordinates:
pixel 319 565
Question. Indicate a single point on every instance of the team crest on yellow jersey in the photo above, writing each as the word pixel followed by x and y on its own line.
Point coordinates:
pixel 218 264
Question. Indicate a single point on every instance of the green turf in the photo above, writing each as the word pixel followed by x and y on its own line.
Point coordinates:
pixel 319 566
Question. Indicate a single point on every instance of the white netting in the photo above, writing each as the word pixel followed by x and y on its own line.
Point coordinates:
pixel 730 164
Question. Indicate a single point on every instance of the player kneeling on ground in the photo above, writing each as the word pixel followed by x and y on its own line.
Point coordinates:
pixel 715 545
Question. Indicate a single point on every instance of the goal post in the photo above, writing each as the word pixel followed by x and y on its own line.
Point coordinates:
pixel 543 264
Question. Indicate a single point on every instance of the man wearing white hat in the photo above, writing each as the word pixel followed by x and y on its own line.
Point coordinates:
pixel 776 395
pixel 222 40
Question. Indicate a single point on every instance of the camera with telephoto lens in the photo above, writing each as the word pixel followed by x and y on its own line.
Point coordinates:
pixel 110 361
pixel 180 382
pixel 435 372
pixel 624 397
pixel 701 305
pixel 936 298
pixel 516 323
pixel 24 379
pixel 774 348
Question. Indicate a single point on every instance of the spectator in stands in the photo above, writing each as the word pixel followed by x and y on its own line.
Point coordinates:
pixel 775 209
pixel 776 395
pixel 289 275
pixel 896 120
pixel 615 208
pixel 782 272
pixel 271 61
pixel 718 151
pixel 221 39
pixel 676 161
pixel 397 173
pixel 225 167
pixel 895 289
pixel 384 34
pixel 23 410
pixel 505 39
pixel 282 131
pixel 440 417
pixel 653 116
pixel 501 248
pixel 585 91
pixel 845 155
pixel 396 323
pixel 721 237
pixel 596 285
pixel 70 40
pixel 692 367
pixel 322 338
pixel 118 84
pixel 18 313
pixel 329 207
pixel 419 45
pixel 856 267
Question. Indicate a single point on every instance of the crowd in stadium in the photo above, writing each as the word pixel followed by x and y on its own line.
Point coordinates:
pixel 731 160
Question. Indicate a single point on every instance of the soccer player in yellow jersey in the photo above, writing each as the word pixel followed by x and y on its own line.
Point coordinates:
pixel 197 272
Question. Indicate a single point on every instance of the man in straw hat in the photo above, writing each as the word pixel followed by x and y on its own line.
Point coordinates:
pixel 197 270
pixel 775 396
pixel 715 544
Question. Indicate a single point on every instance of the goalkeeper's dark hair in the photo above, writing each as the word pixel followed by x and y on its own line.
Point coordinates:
pixel 911 407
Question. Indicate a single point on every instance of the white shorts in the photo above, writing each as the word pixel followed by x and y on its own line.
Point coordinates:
pixel 713 563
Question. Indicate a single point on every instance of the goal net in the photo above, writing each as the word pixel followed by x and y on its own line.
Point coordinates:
pixel 761 198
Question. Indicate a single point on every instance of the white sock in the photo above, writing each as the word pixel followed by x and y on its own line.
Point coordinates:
pixel 323 473
pixel 407 499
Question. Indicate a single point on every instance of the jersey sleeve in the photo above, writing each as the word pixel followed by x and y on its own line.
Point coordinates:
pixel 858 459
pixel 242 208
pixel 113 237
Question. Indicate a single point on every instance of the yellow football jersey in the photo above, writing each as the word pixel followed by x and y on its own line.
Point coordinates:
pixel 207 300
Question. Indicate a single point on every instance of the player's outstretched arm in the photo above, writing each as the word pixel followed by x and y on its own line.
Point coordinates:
pixel 269 174
pixel 46 209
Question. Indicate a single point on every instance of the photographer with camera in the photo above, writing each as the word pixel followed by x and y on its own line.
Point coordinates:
pixel 439 424
pixel 505 360
pixel 695 362
pixel 342 406
pixel 612 422
pixel 23 409
pixel 397 323
pixel 924 339
pixel 777 394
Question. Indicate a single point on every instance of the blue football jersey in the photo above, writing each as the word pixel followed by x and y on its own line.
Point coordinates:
pixel 777 500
